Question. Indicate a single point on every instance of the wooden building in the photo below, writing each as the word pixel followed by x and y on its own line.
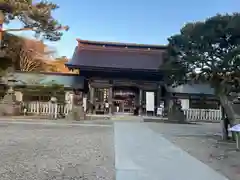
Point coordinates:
pixel 120 74
pixel 195 96
pixel 40 86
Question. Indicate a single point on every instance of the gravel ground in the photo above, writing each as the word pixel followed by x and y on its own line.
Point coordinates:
pixel 204 143
pixel 52 152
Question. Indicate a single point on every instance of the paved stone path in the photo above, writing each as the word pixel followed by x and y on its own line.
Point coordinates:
pixel 142 154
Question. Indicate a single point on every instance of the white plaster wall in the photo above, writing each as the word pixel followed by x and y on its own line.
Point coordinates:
pixel 185 103
pixel 85 104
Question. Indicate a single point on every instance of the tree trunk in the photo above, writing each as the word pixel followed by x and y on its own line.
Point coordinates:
pixel 227 108
pixel 223 127
pixel 232 112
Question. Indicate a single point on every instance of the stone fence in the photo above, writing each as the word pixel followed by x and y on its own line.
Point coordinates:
pixel 62 110
pixel 203 114
pixel 54 110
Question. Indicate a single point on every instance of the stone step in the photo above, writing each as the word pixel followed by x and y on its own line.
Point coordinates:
pixel 126 117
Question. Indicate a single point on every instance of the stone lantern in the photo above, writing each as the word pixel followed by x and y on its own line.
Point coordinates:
pixel 9 105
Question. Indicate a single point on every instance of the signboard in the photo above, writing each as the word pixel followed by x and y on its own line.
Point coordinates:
pixel 150 101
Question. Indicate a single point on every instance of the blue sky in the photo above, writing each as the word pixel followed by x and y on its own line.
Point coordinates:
pixel 137 21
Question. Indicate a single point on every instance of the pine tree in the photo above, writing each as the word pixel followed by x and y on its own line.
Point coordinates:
pixel 36 16
pixel 209 52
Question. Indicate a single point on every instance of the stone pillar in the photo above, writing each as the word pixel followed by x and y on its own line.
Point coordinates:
pixel 77 112
pixel 19 96
pixel 140 101
pixel 110 94
pixel 54 106
pixel 69 99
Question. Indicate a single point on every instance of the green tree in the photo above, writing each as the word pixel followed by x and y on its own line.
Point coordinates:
pixel 36 16
pixel 207 51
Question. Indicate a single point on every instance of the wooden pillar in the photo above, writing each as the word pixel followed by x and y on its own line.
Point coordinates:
pixel 92 97
pixel 110 101
pixel 159 94
pixel 140 101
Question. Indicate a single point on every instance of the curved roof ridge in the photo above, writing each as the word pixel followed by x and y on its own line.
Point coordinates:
pixel 117 49
pixel 121 45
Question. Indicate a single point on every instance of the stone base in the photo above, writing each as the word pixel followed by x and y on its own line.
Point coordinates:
pixel 9 106
pixel 77 113
pixel 177 116
pixel 10 109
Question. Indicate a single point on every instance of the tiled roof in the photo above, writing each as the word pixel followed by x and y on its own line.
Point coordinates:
pixel 115 58
pixel 67 80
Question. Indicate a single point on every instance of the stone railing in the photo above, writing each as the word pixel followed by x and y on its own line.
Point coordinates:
pixel 203 114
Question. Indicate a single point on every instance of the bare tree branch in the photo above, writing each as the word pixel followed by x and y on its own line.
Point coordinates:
pixel 28 60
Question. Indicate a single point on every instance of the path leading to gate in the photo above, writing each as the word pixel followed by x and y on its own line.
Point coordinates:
pixel 142 154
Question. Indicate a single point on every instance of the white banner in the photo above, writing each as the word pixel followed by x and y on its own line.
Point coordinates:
pixel 150 101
